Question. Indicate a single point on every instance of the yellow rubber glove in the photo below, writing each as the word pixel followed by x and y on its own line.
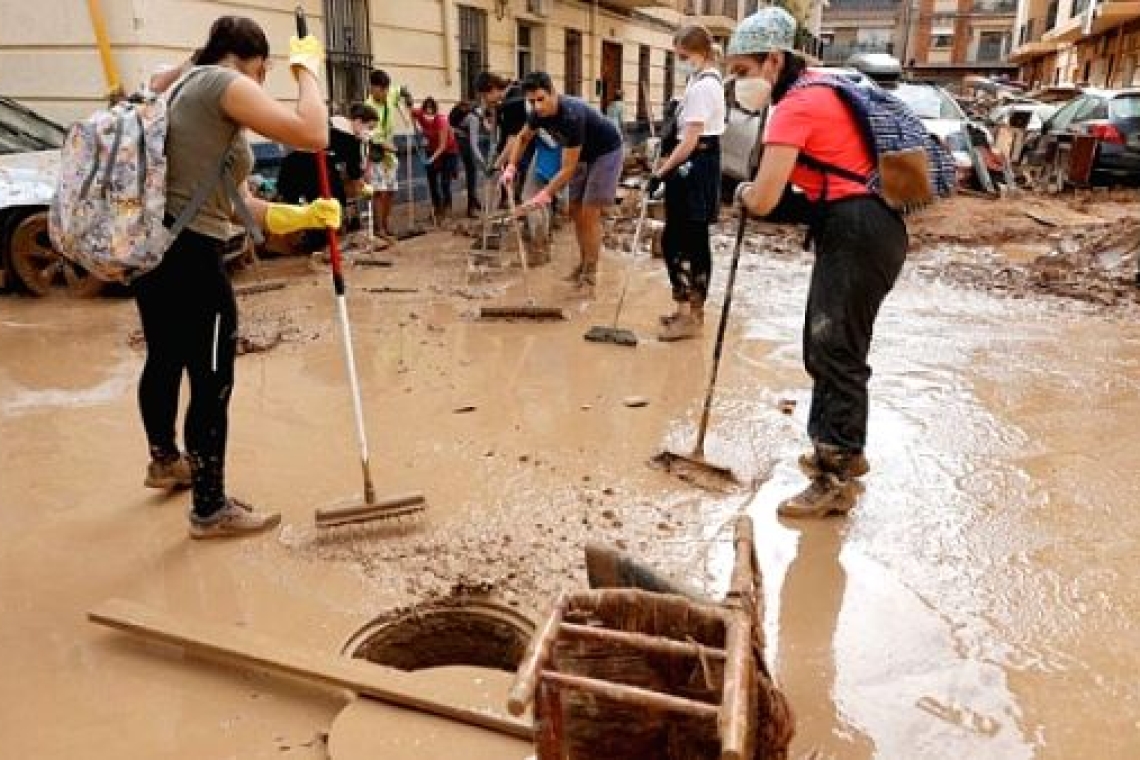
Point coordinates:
pixel 283 218
pixel 307 53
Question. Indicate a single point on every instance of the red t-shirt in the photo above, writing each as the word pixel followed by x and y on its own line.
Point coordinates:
pixel 820 124
pixel 433 127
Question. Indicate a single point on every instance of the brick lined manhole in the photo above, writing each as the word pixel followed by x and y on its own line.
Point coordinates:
pixel 456 631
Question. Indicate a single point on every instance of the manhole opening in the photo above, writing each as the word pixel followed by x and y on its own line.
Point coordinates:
pixel 475 632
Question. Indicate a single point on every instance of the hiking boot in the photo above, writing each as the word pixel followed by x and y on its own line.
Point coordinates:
pixel 575 275
pixel 846 466
pixel 168 474
pixel 683 327
pixel 826 495
pixel 235 519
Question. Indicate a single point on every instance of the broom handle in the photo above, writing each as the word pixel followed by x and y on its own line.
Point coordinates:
pixel 637 230
pixel 341 304
pixel 720 329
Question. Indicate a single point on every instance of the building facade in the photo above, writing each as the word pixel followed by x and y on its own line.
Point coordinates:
pixel 49 59
pixel 850 27
pixel 947 40
pixel 1067 42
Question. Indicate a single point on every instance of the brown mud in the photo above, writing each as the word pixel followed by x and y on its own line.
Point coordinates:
pixel 979 602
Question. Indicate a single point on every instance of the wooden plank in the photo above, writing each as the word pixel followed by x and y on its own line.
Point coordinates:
pixel 535 659
pixel 634 696
pixel 249 649
pixel 641 641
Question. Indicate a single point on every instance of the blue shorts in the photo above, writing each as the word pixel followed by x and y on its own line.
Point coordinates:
pixel 596 183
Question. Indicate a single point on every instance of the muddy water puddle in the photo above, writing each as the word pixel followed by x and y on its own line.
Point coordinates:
pixel 978 603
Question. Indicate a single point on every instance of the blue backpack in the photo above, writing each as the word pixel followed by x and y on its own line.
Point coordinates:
pixel 912 167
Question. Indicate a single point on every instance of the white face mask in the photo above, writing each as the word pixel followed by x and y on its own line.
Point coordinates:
pixel 753 93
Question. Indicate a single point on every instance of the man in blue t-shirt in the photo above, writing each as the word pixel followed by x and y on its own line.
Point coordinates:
pixel 591 164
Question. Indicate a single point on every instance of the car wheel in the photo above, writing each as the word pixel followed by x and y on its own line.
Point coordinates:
pixel 40 268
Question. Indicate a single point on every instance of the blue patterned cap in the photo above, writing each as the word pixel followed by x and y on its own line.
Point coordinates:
pixel 767 29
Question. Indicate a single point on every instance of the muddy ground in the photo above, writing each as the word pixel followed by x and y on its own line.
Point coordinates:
pixel 980 602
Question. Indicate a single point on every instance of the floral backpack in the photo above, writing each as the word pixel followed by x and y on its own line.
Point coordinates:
pixel 110 200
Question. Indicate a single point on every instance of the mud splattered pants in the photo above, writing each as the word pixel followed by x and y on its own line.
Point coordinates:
pixel 189 320
pixel 860 246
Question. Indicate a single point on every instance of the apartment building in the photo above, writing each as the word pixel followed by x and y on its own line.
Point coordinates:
pixel 947 40
pixel 850 27
pixel 593 48
pixel 1094 42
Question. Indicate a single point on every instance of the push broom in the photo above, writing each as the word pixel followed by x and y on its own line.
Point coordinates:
pixel 695 459
pixel 528 310
pixel 368 508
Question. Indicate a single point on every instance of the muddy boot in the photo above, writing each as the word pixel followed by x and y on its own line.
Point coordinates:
pixel 826 458
pixel 167 470
pixel 683 327
pixel 574 276
pixel 680 309
pixel 826 495
pixel 216 515
pixel 236 518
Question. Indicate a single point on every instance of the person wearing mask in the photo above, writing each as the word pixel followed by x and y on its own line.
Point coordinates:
pixel 468 129
pixel 443 154
pixel 690 171
pixel 813 141
pixel 383 159
pixel 592 162
pixel 186 304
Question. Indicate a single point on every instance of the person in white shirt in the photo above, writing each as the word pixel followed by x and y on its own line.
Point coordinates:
pixel 690 172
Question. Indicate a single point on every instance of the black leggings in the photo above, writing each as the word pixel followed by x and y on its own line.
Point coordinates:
pixel 860 246
pixel 439 175
pixel 189 320
pixel 687 258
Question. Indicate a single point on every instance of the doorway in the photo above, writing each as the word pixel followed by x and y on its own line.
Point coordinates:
pixel 611 72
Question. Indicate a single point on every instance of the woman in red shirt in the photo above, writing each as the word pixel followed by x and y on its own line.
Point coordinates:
pixel 860 245
pixel 443 154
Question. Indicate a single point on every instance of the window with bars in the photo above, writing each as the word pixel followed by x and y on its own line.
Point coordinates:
pixel 472 47
pixel 643 83
pixel 670 73
pixel 573 62
pixel 348 44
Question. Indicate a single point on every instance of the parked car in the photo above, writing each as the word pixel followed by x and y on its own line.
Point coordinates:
pixel 1111 116
pixel 29 166
pixel 943 118
pixel 740 143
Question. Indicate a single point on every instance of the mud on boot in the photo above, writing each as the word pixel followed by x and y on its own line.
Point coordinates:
pixel 236 518
pixel 167 472
pixel 684 326
pixel 574 276
pixel 826 494
pixel 825 458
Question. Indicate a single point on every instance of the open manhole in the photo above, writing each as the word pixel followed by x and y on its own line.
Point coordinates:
pixel 455 631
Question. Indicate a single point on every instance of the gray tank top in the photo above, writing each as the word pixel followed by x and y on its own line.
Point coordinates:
pixel 198 131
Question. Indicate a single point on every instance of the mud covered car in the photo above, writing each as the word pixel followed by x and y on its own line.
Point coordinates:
pixel 29 166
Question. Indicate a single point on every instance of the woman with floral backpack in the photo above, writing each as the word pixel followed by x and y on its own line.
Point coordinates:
pixel 812 140
pixel 187 304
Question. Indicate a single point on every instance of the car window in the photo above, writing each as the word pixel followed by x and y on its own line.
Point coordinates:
pixel 22 130
pixel 1064 115
pixel 928 102
pixel 1093 108
pixel 1125 107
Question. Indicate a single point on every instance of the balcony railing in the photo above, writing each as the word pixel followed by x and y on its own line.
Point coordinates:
pixel 838 54
pixel 995 6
